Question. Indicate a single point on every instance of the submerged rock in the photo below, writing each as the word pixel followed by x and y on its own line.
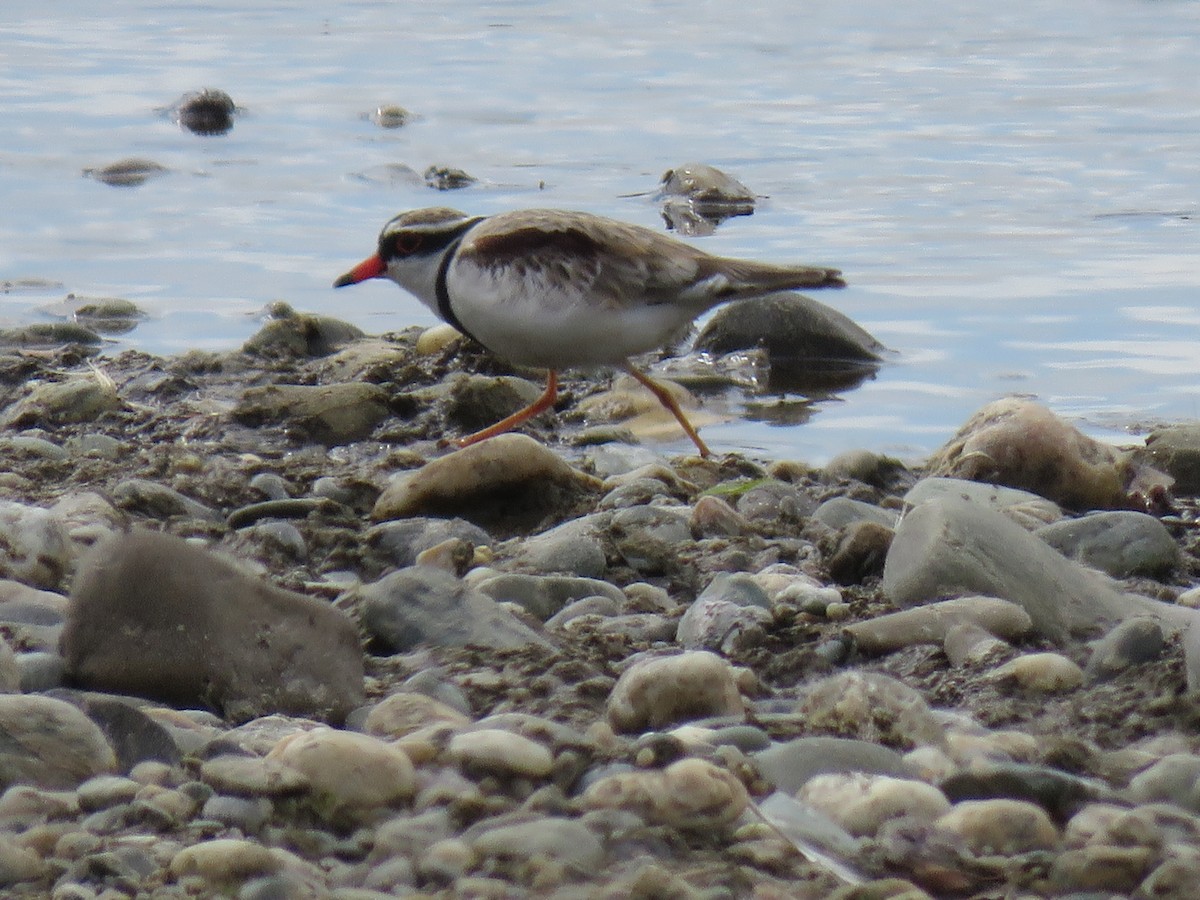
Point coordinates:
pixel 205 112
pixel 129 172
pixel 810 346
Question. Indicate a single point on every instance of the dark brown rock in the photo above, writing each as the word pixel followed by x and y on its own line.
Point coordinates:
pixel 154 616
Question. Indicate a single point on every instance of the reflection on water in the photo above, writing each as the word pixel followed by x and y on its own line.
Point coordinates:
pixel 1012 193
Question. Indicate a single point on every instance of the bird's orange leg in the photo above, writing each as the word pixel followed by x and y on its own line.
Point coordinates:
pixel 665 398
pixel 540 405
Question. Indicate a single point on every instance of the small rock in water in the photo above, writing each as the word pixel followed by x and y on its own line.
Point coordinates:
pixel 206 112
pixel 446 178
pixel 391 116
pixel 129 172
pixel 809 345
pixel 704 183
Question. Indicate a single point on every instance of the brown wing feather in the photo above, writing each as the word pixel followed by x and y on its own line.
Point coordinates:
pixel 620 264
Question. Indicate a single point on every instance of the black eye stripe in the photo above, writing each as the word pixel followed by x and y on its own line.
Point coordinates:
pixel 425 241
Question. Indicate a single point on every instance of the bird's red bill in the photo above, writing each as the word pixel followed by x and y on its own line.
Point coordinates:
pixel 371 267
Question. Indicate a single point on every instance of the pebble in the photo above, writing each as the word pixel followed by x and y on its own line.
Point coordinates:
pixel 957 546
pixel 252 776
pixel 333 414
pixel 404 712
pixel 423 604
pixel 350 775
pixel 999 827
pixel 50 743
pixel 34 548
pixel 1133 642
pixel 656 692
pixel 157 501
pixel 1027 509
pixel 463 481
pixel 864 804
pixel 839 512
pixel 542 596
pixel 566 842
pixel 933 622
pixel 498 752
pixel 1040 673
pixel 690 794
pixel 650 538
pixel 790 764
pixel 225 861
pixel 218 637
pixel 1173 779
pixel 1122 543
pixel 403 540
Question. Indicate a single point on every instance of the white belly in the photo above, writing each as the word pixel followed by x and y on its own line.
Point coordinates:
pixel 552 328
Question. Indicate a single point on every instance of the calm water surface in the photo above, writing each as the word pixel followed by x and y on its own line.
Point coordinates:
pixel 1012 189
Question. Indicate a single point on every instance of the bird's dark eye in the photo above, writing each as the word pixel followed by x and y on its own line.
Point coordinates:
pixel 407 243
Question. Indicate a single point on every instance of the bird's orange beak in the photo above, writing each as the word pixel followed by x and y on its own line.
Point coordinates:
pixel 371 267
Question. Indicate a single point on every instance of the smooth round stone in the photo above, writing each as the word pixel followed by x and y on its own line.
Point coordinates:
pixel 104 791
pixel 246 814
pixel 404 712
pixel 37 672
pixel 50 742
pixel 649 538
pixel 689 794
pixel 436 339
pixel 1042 673
pixel 638 628
pixel 19 864
pixel 1134 641
pixel 1119 542
pixel 34 548
pixel 225 861
pixel 252 776
pixel 839 512
pixel 1172 779
pixel 348 772
pixel 873 707
pixel 573 548
pixel 863 804
pixel 10 670
pixel 714 517
pixel 446 860
pixel 714 624
pixel 568 842
pixel 660 691
pixel 1110 870
pixel 790 764
pixel 499 752
pixel 544 595
pixel 588 606
pixel 1000 827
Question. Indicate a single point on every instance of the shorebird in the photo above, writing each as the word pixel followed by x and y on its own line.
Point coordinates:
pixel 557 289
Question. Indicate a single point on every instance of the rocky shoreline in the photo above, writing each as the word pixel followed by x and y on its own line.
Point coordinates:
pixel 265 637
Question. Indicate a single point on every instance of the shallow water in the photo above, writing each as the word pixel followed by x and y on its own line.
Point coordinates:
pixel 1012 193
